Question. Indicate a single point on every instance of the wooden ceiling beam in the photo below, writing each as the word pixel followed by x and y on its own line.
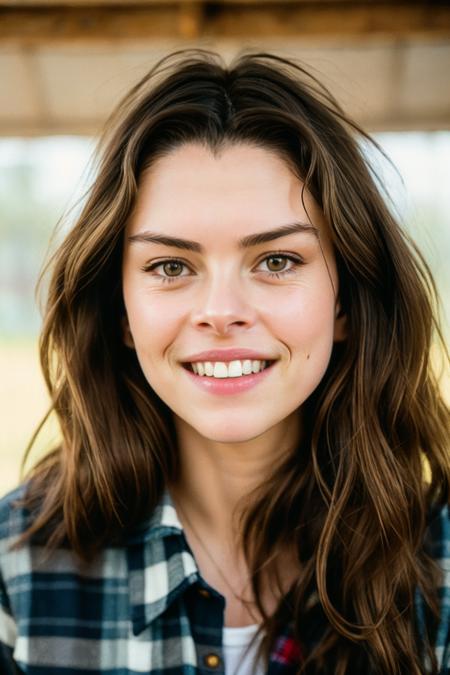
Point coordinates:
pixel 50 127
pixel 125 3
pixel 193 20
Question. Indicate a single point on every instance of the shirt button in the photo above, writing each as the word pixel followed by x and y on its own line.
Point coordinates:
pixel 204 592
pixel 212 660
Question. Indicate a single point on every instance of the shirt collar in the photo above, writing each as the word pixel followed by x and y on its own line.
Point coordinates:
pixel 161 565
pixel 164 521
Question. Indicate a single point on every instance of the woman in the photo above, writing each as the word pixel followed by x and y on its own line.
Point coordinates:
pixel 237 347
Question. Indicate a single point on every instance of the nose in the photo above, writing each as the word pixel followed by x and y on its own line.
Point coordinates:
pixel 223 304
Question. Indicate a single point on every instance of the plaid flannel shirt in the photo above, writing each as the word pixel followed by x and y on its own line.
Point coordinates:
pixel 139 608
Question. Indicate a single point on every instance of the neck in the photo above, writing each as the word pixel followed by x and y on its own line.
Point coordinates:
pixel 215 477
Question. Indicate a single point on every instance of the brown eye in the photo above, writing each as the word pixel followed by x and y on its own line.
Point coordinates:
pixel 172 268
pixel 278 265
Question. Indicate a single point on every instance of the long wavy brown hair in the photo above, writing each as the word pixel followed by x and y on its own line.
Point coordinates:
pixel 352 498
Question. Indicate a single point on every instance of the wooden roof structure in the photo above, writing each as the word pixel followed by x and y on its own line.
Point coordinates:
pixel 65 63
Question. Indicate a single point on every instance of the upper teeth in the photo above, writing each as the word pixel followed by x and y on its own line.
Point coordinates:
pixel 231 369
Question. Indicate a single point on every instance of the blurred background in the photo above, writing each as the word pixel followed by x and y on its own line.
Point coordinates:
pixel 65 64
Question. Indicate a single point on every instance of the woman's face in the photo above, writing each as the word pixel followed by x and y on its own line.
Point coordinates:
pixel 217 286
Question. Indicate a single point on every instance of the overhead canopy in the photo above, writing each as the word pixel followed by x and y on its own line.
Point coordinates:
pixel 64 64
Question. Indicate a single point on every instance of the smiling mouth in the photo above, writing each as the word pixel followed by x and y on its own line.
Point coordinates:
pixel 224 370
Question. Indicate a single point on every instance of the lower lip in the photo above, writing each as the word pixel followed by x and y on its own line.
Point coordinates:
pixel 229 385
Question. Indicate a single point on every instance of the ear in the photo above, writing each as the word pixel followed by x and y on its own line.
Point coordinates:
pixel 126 333
pixel 340 324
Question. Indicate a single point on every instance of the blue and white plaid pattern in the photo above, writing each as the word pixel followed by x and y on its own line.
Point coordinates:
pixel 139 608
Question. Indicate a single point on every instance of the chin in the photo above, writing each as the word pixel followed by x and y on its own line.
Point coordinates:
pixel 231 430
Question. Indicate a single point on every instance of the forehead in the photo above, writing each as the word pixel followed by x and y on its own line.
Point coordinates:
pixel 240 190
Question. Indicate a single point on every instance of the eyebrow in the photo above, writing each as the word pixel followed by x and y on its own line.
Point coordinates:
pixel 245 242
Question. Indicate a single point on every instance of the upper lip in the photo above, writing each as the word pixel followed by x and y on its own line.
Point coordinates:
pixel 228 355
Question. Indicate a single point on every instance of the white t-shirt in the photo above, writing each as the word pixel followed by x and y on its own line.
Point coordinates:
pixel 235 643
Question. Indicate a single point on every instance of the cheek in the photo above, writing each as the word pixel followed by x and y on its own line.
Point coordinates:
pixel 305 326
pixel 154 324
pixel 304 318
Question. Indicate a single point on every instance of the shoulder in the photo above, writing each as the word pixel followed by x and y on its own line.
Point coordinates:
pixel 437 536
pixel 437 546
pixel 14 518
